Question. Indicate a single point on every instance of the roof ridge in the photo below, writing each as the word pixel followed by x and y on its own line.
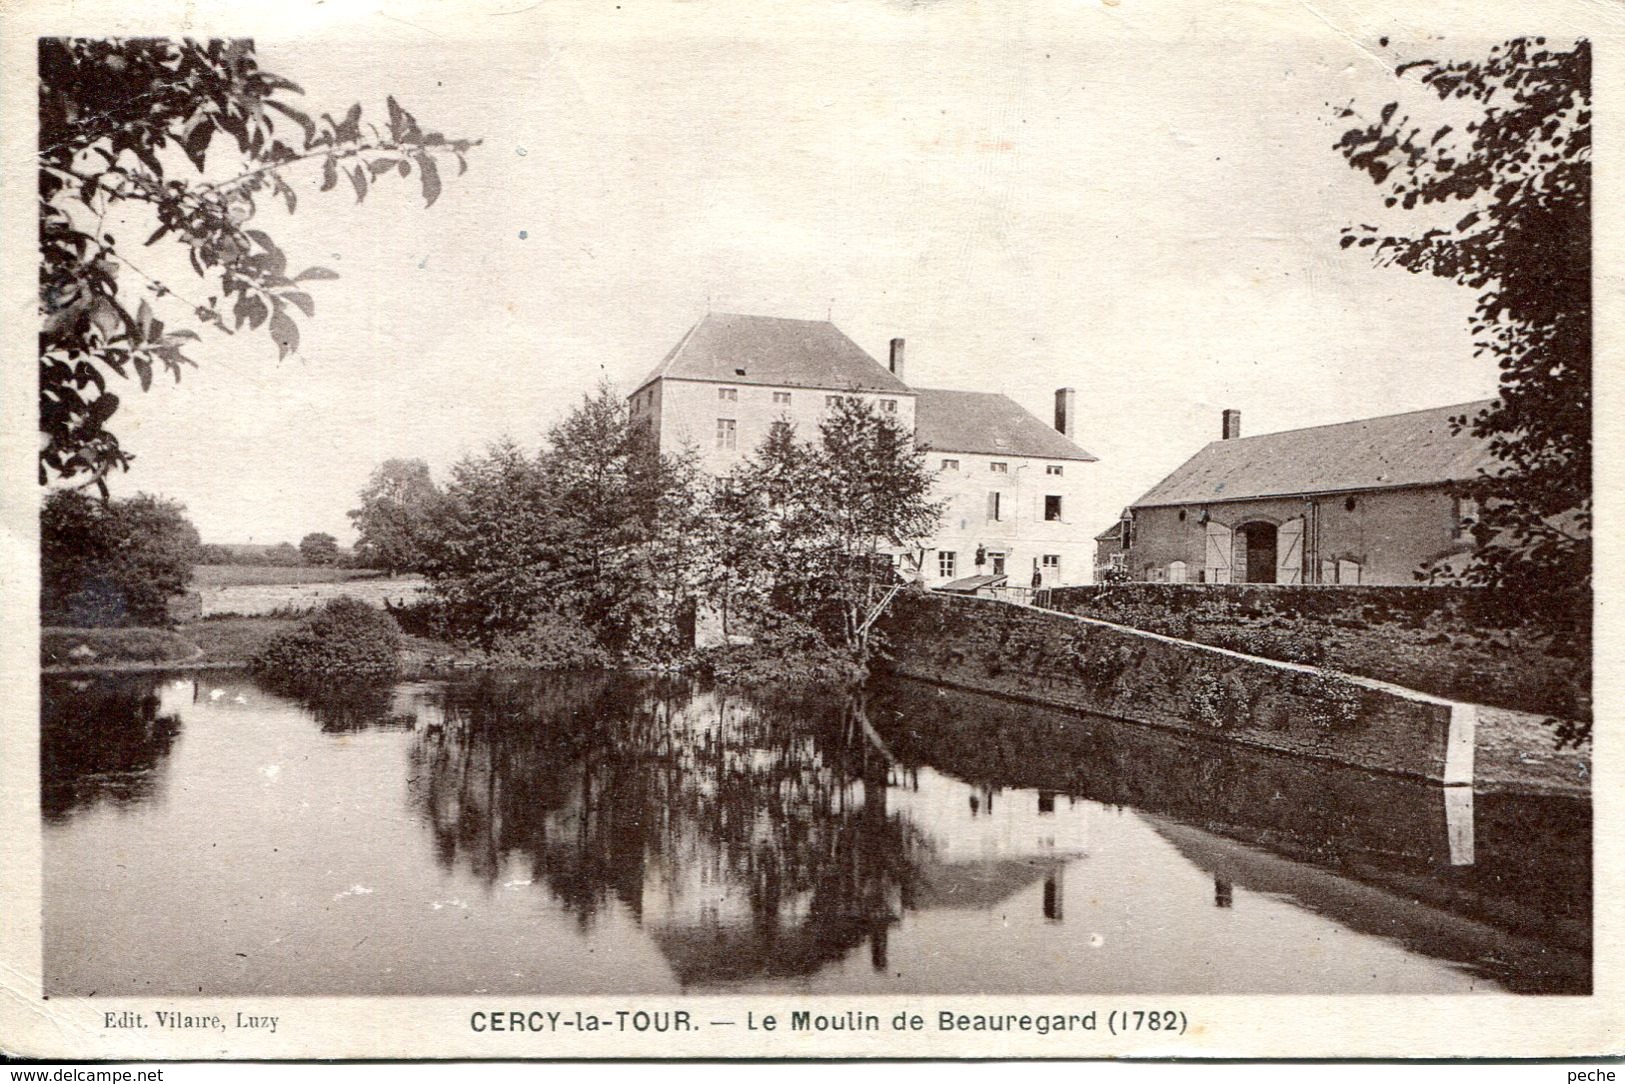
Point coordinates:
pixel 1354 421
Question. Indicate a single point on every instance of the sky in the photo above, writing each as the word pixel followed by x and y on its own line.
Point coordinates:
pixel 1141 202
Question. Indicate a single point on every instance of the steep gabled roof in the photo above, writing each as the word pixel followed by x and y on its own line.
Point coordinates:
pixel 986 423
pixel 770 350
pixel 1411 449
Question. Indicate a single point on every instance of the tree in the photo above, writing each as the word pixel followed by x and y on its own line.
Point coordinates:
pixel 396 517
pixel 1521 169
pixel 112 562
pixel 319 548
pixel 117 118
pixel 597 527
pixel 804 532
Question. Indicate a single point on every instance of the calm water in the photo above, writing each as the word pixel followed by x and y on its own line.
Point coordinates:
pixel 600 834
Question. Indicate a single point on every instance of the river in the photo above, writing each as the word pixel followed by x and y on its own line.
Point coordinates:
pixel 205 834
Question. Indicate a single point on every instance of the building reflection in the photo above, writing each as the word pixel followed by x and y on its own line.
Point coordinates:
pixel 752 839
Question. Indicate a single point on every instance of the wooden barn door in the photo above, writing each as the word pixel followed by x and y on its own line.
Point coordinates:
pixel 1218 553
pixel 1289 551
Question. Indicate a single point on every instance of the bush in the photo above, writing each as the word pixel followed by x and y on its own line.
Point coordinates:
pixel 551 642
pixel 792 655
pixel 346 637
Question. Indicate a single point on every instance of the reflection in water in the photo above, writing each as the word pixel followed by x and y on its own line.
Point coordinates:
pixel 603 833
pixel 102 736
pixel 1518 862
pixel 748 841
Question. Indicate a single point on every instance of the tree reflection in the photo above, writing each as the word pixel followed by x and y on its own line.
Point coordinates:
pixel 344 705
pixel 101 739
pixel 752 839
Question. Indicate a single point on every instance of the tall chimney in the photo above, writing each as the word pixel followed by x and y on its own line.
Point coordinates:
pixel 1232 424
pixel 897 358
pixel 1066 411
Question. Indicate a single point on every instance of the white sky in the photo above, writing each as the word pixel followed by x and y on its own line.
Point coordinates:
pixel 1137 201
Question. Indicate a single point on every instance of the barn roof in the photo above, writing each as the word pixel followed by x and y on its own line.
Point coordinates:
pixel 1417 448
pixel 737 349
pixel 986 423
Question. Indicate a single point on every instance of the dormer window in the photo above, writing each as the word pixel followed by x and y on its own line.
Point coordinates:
pixel 739 372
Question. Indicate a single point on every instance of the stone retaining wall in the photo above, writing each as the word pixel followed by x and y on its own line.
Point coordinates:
pixel 1457 643
pixel 1066 661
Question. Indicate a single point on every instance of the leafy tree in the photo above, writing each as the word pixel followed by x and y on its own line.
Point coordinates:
pixel 319 548
pixel 112 562
pixel 283 553
pixel 489 560
pixel 396 517
pixel 597 527
pixel 1520 169
pixel 804 531
pixel 118 120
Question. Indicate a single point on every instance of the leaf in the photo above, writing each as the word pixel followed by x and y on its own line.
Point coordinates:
pixel 297 117
pixel 251 310
pixel 143 369
pixel 380 166
pixel 157 233
pixel 429 174
pixel 312 274
pixel 287 194
pixel 358 178
pixel 285 332
pixel 302 300
pixel 197 143
pixel 405 168
pixel 330 173
pixel 396 123
pixel 350 127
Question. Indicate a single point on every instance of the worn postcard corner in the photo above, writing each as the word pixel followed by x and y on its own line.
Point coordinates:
pixel 893 529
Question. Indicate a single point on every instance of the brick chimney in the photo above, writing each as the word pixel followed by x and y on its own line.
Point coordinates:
pixel 897 358
pixel 1232 424
pixel 1066 412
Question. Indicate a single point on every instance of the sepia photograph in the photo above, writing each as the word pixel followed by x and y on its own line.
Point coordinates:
pixel 1030 515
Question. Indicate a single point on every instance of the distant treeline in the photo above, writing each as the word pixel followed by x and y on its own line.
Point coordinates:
pixel 284 554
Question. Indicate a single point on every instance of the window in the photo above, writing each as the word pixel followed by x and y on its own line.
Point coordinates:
pixel 950 464
pixel 831 402
pixel 1053 468
pixel 997 560
pixel 781 397
pixel 728 395
pixel 1052 562
pixel 727 433
pixel 1466 516
pixel 1052 508
pixel 1176 572
pixel 947 560
pixel 999 468
pixel 888 406
pixel 995 506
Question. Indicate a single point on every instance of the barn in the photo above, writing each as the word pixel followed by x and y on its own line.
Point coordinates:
pixel 1371 501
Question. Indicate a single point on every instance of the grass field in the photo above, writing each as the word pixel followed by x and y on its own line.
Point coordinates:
pixel 258 575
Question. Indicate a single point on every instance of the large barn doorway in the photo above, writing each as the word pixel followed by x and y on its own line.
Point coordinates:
pixel 1255 553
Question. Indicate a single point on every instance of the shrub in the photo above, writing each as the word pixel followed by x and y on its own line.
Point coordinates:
pixel 551 642
pixel 346 637
pixel 791 655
